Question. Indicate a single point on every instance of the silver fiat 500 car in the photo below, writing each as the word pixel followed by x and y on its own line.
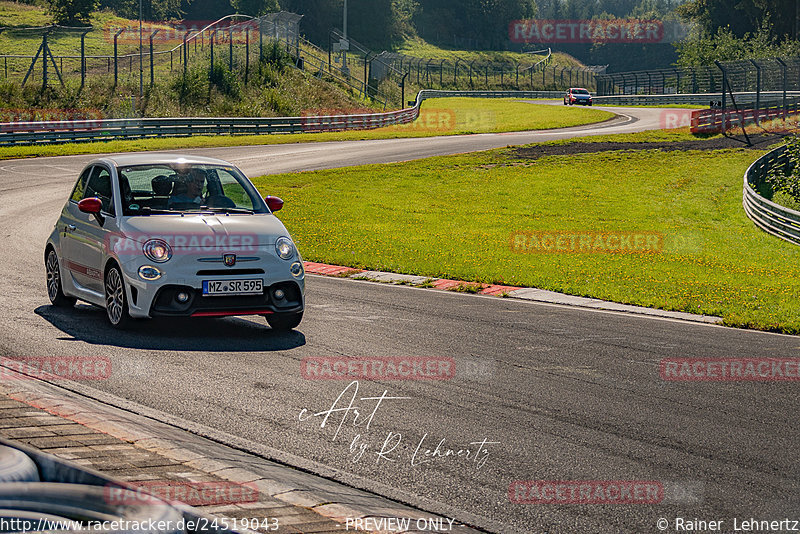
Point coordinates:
pixel 170 236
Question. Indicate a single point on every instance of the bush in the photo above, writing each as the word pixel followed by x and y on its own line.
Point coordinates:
pixel 783 182
pixel 191 89
pixel 275 55
pixel 71 12
pixel 226 81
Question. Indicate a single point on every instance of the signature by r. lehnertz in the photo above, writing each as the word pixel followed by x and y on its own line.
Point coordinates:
pixel 359 412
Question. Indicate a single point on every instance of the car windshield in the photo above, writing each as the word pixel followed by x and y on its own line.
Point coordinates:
pixel 580 92
pixel 169 188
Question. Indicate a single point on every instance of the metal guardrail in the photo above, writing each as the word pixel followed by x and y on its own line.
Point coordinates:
pixel 700 99
pixel 719 120
pixel 47 132
pixel 773 218
pixel 33 133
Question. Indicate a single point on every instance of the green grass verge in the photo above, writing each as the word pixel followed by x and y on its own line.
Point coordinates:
pixel 443 116
pixel 417 47
pixel 454 217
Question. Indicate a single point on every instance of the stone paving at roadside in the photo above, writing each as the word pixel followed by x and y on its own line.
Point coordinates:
pixel 138 450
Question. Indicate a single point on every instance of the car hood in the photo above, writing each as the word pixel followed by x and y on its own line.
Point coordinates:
pixel 223 231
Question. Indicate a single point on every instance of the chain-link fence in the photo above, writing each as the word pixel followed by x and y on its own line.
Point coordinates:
pixel 125 53
pixel 758 75
pixel 457 73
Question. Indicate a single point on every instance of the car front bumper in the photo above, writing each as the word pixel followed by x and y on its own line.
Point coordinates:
pixel 185 272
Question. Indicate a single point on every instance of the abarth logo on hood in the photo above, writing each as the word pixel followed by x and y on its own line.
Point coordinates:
pixel 229 259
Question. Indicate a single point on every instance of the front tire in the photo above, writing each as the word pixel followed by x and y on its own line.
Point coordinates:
pixel 55 289
pixel 283 322
pixel 116 301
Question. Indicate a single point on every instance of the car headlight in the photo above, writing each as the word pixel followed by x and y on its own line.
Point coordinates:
pixel 157 250
pixel 284 248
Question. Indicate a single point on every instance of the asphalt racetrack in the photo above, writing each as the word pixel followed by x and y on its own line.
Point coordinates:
pixel 544 392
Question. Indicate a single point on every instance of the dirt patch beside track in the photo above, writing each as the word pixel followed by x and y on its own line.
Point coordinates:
pixel 760 142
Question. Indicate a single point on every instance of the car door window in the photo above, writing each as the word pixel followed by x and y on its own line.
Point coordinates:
pixel 100 186
pixel 80 187
pixel 232 189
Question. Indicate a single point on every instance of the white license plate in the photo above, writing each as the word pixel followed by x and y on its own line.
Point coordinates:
pixel 232 287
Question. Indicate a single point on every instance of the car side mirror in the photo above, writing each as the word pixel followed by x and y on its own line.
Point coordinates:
pixel 273 203
pixel 92 206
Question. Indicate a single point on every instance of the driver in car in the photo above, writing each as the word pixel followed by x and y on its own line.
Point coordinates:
pixel 195 181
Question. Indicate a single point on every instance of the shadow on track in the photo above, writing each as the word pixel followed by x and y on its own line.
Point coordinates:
pixel 88 323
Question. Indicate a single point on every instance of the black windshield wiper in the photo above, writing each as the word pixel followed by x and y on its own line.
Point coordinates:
pixel 227 210
pixel 151 211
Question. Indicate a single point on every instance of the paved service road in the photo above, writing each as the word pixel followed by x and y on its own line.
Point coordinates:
pixel 562 393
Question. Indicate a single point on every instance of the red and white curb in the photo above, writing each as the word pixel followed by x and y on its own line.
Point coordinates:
pixel 524 293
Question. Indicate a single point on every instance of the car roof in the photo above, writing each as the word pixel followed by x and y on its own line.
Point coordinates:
pixel 149 158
